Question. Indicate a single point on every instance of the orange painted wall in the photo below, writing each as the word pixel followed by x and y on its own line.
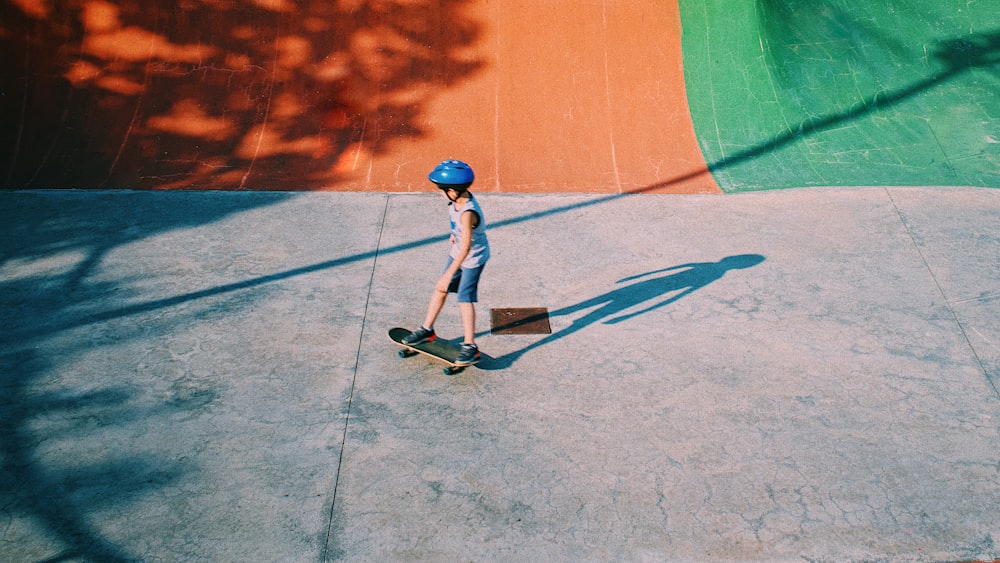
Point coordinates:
pixel 561 95
pixel 573 96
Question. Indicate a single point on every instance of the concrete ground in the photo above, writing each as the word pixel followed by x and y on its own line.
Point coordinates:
pixel 781 376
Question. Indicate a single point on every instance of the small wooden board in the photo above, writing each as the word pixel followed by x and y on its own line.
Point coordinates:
pixel 438 350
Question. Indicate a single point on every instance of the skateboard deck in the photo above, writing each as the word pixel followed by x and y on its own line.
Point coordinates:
pixel 436 349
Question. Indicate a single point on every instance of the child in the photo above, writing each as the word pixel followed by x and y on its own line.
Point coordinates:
pixel 469 252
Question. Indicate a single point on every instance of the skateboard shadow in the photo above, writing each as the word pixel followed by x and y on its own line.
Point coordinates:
pixel 644 293
pixel 489 363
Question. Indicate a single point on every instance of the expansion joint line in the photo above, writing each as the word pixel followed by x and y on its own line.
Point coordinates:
pixel 607 97
pixel 947 303
pixel 354 380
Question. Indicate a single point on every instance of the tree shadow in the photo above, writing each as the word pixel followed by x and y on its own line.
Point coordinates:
pixel 51 286
pixel 647 292
pixel 134 141
pixel 59 494
pixel 266 94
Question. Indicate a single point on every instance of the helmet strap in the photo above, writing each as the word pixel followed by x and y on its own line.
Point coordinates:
pixel 447 193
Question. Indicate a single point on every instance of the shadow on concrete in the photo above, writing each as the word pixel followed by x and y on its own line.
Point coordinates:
pixel 40 308
pixel 959 55
pixel 649 292
pixel 57 245
pixel 268 95
pixel 60 497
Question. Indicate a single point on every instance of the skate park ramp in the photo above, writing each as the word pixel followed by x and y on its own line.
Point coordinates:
pixel 605 97
pixel 191 374
pixel 347 95
pixel 838 93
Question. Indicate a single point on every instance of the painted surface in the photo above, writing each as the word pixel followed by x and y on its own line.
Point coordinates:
pixel 265 94
pixel 554 96
pixel 788 93
pixel 580 96
pixel 562 95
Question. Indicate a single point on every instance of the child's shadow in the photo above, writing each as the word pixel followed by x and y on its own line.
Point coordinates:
pixel 614 306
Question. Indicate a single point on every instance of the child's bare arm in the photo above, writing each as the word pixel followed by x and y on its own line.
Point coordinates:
pixel 464 244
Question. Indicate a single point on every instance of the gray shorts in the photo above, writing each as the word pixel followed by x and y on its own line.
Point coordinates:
pixel 465 283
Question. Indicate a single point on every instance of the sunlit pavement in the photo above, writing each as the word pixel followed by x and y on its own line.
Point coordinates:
pixel 807 374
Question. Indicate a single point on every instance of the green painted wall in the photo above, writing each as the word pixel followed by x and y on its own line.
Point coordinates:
pixel 793 93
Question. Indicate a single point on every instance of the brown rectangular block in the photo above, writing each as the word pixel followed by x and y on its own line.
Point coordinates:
pixel 527 320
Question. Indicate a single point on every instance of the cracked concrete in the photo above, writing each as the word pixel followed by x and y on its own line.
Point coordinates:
pixel 206 376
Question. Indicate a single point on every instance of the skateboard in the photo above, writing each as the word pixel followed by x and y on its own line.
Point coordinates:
pixel 440 351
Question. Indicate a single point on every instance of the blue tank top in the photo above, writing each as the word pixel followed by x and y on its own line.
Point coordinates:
pixel 479 252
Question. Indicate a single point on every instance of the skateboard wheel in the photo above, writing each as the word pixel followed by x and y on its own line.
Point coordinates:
pixel 449 371
pixel 405 353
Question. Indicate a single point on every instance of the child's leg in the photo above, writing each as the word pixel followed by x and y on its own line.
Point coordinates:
pixel 437 301
pixel 468 311
pixel 468 294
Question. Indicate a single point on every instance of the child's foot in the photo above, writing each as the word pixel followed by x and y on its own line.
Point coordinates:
pixel 468 354
pixel 419 336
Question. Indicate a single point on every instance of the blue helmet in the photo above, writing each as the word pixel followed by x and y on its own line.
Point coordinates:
pixel 452 174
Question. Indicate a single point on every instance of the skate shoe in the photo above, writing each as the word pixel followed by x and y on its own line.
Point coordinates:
pixel 467 355
pixel 420 336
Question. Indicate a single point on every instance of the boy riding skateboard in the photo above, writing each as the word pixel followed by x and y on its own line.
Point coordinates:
pixel 466 259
